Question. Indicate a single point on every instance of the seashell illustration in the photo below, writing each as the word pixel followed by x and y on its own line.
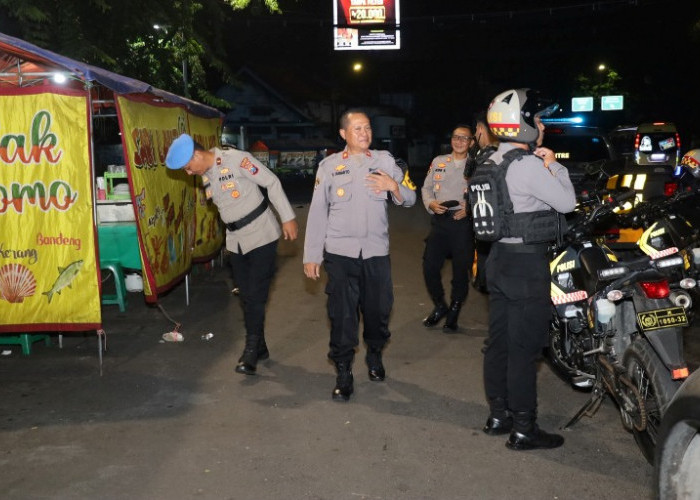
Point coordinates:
pixel 16 282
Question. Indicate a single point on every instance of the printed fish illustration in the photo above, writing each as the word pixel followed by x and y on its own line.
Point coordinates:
pixel 65 278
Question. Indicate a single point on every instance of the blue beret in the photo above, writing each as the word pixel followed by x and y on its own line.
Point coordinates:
pixel 180 152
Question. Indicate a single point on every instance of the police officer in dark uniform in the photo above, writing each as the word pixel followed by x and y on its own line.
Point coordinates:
pixel 451 234
pixel 518 272
pixel 348 231
pixel 232 180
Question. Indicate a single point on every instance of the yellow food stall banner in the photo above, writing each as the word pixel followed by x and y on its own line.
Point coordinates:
pixel 48 266
pixel 209 233
pixel 171 228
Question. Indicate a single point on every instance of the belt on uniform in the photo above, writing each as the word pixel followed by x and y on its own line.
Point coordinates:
pixel 244 221
pixel 523 248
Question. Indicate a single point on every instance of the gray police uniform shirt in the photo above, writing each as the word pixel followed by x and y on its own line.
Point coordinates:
pixel 233 183
pixel 444 181
pixel 534 187
pixel 345 217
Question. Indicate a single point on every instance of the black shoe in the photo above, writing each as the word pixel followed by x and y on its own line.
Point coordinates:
pixel 498 426
pixel 248 362
pixel 255 348
pixel 343 383
pixel 436 315
pixel 451 325
pixel 343 388
pixel 375 366
pixel 536 439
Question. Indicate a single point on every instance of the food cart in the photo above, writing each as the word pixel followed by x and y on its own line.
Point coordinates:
pixel 51 260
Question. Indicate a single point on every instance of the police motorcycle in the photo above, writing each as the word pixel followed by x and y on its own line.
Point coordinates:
pixel 614 329
pixel 667 232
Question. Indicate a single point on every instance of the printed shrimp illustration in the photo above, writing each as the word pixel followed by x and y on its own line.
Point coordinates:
pixel 66 275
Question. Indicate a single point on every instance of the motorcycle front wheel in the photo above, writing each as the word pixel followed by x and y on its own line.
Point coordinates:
pixel 656 388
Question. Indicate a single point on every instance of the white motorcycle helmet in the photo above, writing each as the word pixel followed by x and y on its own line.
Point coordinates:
pixel 511 115
pixel 691 162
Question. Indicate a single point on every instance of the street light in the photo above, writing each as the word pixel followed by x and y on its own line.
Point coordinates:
pixel 357 67
pixel 601 67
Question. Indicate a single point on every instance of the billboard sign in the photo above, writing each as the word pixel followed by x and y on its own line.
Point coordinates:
pixel 579 104
pixel 611 103
pixel 366 25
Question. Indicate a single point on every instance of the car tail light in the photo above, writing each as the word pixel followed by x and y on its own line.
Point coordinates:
pixel 554 130
pixel 655 289
pixel 670 188
pixel 679 373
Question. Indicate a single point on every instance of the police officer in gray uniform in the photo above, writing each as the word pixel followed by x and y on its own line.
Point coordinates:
pixel 451 234
pixel 517 274
pixel 232 180
pixel 348 231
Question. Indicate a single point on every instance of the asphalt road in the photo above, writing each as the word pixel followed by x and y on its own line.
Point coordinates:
pixel 173 420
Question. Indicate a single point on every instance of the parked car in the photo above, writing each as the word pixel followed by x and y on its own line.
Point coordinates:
pixel 657 143
pixel 622 139
pixel 677 457
pixel 584 151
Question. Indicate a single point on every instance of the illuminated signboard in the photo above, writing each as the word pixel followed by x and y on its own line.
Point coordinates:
pixel 579 104
pixel 612 102
pixel 366 25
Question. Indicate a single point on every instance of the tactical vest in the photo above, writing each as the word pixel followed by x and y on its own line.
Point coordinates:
pixel 492 208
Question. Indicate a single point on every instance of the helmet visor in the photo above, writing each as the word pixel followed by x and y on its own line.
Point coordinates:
pixel 548 111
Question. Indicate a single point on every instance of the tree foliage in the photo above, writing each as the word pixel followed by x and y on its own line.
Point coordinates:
pixel 607 83
pixel 120 35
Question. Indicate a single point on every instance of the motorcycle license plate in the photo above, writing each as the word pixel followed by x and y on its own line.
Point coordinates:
pixel 662 318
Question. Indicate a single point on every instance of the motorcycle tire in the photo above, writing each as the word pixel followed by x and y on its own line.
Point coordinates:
pixel 656 387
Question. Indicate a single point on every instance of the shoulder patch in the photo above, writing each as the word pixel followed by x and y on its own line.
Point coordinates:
pixel 407 182
pixel 246 164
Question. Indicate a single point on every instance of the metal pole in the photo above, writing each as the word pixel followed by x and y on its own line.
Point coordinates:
pixel 184 76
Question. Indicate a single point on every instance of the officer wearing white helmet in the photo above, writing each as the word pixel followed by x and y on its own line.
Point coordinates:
pixel 691 162
pixel 232 180
pixel 348 231
pixel 517 273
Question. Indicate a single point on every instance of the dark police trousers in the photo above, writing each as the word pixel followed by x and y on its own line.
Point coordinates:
pixel 519 314
pixel 253 273
pixel 448 238
pixel 357 285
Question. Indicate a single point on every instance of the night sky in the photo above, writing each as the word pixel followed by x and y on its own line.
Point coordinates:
pixel 457 55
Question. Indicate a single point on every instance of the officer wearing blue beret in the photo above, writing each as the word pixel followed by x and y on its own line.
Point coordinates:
pixel 232 180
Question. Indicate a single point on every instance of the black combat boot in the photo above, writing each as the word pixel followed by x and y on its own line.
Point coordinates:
pixel 437 314
pixel 248 361
pixel 343 382
pixel 526 435
pixel 374 364
pixel 500 420
pixel 450 325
